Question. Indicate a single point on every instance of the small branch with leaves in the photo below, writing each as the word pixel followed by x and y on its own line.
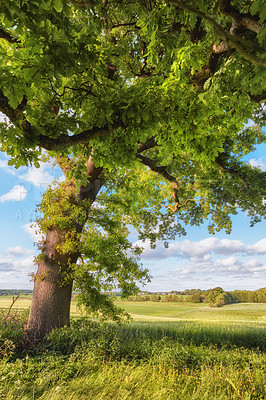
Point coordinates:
pixel 161 170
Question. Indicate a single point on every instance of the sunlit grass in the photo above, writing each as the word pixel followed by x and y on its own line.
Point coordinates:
pixel 171 351
pixel 165 361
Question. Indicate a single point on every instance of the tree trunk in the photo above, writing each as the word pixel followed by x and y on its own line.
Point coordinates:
pixel 50 307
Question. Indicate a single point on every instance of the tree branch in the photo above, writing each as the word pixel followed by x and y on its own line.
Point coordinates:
pixel 233 40
pixel 84 137
pixel 149 144
pixel 161 170
pixel 258 97
pixel 7 36
pixel 241 20
pixel 231 172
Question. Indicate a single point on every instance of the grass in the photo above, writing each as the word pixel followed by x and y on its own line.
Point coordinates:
pixel 137 361
pixel 170 351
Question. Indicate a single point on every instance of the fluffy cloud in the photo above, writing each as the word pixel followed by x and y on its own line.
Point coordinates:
pixel 197 250
pixel 258 163
pixel 220 269
pixel 257 248
pixel 207 263
pixel 7 168
pixel 15 272
pixel 18 259
pixel 6 265
pixel 17 193
pixel 39 177
pixel 17 251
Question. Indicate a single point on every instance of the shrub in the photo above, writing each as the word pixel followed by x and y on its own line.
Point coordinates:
pixel 11 331
pixel 196 298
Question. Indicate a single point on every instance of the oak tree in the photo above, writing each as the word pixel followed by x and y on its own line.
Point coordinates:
pixel 147 107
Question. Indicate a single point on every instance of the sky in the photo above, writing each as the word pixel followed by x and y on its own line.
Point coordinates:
pixel 198 260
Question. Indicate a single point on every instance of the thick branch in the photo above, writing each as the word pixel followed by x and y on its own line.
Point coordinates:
pixel 161 170
pixel 234 41
pixel 241 20
pixel 64 140
pixel 258 97
pixel 149 144
pixel 124 24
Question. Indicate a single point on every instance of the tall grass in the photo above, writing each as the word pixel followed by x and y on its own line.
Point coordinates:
pixel 138 361
pixel 206 334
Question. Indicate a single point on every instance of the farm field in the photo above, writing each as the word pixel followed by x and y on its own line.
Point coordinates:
pixel 231 313
pixel 152 311
pixel 23 303
pixel 171 351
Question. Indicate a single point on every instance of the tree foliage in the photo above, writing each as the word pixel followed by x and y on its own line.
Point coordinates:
pixel 150 100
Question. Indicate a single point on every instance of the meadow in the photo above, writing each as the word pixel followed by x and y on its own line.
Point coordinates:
pixel 170 351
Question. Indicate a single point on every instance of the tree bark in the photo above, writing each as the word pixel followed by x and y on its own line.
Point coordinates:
pixel 50 307
pixel 53 282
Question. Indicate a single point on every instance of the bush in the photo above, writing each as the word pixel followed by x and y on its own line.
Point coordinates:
pixel 196 298
pixel 11 332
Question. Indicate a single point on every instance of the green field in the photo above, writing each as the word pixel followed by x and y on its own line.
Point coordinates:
pixel 171 351
pixel 231 313
pixel 247 313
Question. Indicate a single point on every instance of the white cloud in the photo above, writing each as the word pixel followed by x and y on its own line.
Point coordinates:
pixel 34 231
pixel 6 265
pixel 39 177
pixel 17 193
pixel 228 269
pixel 24 265
pixel 207 263
pixel 17 251
pixel 3 163
pixel 258 163
pixel 257 248
pixel 14 273
pixel 7 168
pixel 192 250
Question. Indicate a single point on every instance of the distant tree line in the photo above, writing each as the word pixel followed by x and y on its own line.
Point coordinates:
pixel 15 292
pixel 248 296
pixel 216 297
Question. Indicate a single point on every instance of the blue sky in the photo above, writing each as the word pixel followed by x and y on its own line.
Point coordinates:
pixel 198 260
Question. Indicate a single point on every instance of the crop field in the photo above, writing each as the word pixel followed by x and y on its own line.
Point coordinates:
pixel 23 303
pixel 247 313
pixel 170 351
pixel 231 313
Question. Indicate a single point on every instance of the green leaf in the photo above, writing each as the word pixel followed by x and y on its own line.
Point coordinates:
pixel 13 100
pixel 58 5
